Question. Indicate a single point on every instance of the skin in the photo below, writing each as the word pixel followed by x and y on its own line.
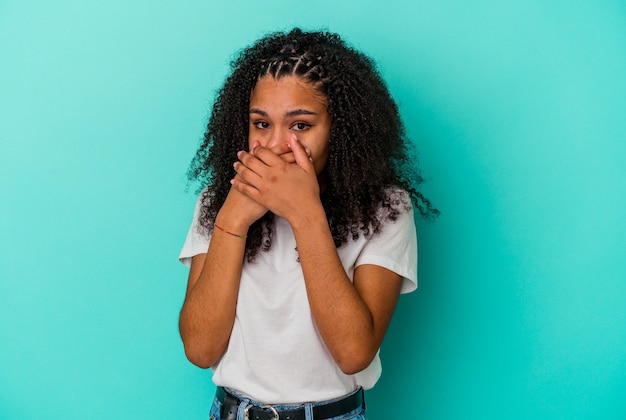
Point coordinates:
pixel 288 137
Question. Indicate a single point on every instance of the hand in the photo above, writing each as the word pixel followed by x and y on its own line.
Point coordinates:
pixel 247 210
pixel 269 180
pixel 284 151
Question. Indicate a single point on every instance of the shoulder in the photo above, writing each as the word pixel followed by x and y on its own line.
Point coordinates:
pixel 396 202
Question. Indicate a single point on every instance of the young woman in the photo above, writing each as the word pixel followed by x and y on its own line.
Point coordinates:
pixel 303 236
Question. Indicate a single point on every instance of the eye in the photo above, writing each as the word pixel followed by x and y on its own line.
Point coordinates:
pixel 261 124
pixel 301 126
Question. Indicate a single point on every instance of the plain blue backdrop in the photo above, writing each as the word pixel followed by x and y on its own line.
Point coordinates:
pixel 517 107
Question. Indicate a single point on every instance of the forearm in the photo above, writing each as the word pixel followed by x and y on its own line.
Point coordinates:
pixel 341 315
pixel 208 313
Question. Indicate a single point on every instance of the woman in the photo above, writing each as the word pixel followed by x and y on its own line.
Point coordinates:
pixel 303 236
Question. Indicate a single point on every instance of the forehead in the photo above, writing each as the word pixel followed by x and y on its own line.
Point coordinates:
pixel 286 92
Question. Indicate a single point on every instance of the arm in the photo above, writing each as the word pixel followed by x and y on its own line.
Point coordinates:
pixel 208 312
pixel 352 317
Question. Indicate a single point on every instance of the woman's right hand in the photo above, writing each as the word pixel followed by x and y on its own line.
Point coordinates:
pixel 215 276
pixel 241 211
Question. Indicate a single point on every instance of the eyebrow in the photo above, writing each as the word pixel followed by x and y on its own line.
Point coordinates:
pixel 293 113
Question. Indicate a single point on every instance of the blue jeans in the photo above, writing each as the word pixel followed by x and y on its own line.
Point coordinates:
pixel 358 414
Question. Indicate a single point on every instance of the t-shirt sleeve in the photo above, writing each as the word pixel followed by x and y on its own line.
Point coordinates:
pixel 395 248
pixel 197 241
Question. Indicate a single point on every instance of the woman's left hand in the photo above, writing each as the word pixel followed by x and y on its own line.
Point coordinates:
pixel 286 189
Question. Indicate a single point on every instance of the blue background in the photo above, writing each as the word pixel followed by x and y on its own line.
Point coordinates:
pixel 519 112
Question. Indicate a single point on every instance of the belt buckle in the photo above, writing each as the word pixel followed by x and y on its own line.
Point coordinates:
pixel 275 415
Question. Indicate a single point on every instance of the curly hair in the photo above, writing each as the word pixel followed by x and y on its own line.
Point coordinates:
pixel 368 148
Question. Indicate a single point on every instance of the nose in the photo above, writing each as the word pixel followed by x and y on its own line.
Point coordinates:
pixel 277 136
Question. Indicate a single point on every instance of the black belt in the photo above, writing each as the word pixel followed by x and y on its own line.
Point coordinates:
pixel 230 403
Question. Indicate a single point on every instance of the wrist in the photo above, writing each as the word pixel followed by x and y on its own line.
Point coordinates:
pixel 232 224
pixel 309 217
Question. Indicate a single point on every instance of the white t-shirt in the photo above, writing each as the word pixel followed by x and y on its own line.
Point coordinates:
pixel 275 353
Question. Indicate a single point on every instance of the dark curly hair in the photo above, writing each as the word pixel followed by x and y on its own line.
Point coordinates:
pixel 368 149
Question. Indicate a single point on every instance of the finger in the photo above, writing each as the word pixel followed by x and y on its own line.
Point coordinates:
pixel 280 149
pixel 254 145
pixel 238 178
pixel 265 155
pixel 302 158
pixel 244 188
pixel 249 169
pixel 288 158
pixel 284 152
